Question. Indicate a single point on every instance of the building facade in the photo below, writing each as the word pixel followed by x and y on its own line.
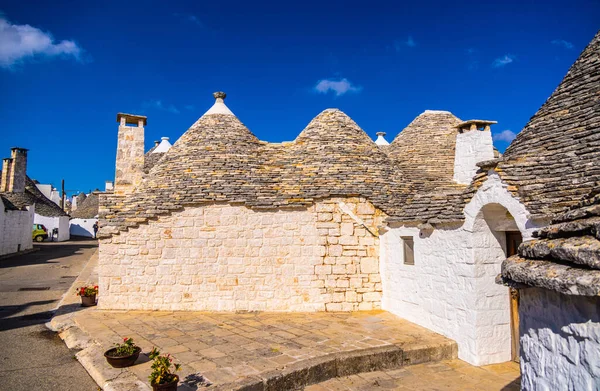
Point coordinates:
pixel 335 222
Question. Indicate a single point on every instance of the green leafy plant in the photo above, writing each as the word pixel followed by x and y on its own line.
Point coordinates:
pixel 88 291
pixel 127 348
pixel 161 368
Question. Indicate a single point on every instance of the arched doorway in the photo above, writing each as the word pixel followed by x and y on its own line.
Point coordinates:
pixel 495 236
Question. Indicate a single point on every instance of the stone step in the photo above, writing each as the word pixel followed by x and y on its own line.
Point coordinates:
pixel 319 369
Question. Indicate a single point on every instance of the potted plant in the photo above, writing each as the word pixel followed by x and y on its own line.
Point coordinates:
pixel 88 295
pixel 123 354
pixel 161 378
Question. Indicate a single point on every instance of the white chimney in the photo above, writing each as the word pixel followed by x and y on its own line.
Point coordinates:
pixel 473 145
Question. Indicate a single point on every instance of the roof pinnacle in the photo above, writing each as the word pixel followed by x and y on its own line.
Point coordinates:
pixel 219 95
pixel 219 106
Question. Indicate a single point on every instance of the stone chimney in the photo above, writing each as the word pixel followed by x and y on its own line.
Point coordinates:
pixel 473 145
pixel 14 171
pixel 130 153
pixel 381 139
pixel 156 142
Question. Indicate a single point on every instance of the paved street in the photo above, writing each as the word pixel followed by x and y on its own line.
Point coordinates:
pixel 32 357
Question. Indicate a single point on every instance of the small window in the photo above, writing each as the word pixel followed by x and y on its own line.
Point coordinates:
pixel 409 252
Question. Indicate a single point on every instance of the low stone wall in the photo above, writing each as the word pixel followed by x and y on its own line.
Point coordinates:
pixel 560 340
pixel 222 257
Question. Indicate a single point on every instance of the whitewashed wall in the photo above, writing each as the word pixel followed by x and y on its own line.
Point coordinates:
pixel 472 147
pixel 82 227
pixel 560 341
pixel 15 229
pixel 62 223
pixel 450 289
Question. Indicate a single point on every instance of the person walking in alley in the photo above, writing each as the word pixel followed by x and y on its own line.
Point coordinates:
pixel 95 229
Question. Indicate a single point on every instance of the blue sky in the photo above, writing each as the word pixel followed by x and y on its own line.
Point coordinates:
pixel 67 68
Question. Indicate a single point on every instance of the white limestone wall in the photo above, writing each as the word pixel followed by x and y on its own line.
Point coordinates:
pixel 82 227
pixel 560 341
pixel 15 229
pixel 471 147
pixel 61 222
pixel 450 288
pixel 224 258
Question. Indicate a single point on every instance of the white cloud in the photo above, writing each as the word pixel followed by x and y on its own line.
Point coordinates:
pixel 563 43
pixel 189 18
pixel 158 104
pixel 505 135
pixel 503 61
pixel 410 42
pixel 473 62
pixel 339 87
pixel 21 41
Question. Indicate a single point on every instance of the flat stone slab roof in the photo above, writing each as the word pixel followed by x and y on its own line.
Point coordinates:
pixel 226 348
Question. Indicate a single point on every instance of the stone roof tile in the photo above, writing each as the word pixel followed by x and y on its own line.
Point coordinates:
pixel 565 256
pixel 219 159
pixel 88 209
pixel 32 195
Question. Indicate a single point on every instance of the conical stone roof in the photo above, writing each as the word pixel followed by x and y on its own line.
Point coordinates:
pixel 565 257
pixel 423 155
pixel 219 159
pixel 553 162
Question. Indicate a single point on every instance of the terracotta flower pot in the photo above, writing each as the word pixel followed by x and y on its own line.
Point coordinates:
pixel 121 361
pixel 167 386
pixel 88 301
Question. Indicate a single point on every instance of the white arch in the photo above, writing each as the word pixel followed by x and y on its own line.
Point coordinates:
pixel 493 191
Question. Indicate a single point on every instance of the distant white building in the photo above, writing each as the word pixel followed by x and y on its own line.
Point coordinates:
pixel 16 215
pixel 83 219
pixel 49 192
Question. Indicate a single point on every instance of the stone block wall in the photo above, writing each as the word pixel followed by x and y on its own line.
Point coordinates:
pixel 560 341
pixel 130 157
pixel 222 257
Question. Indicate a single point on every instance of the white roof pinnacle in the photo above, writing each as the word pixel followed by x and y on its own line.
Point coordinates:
pixel 164 146
pixel 380 139
pixel 219 107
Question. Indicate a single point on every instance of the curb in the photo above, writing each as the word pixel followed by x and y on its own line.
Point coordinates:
pixel 91 353
pixel 293 377
pixel 31 250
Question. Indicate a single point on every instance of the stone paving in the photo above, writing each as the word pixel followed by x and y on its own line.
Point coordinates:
pixel 227 347
pixel 274 351
pixel 434 376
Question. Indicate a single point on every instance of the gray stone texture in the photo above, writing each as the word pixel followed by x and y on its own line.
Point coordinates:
pixel 566 255
pixel 219 159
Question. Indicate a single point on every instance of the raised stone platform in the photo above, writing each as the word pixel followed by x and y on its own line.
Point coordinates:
pixel 267 351
pixel 248 351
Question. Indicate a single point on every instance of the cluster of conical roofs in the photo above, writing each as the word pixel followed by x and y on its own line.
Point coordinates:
pixel 550 165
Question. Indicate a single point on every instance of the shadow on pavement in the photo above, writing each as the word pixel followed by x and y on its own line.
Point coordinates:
pixel 47 253
pixel 10 322
pixel 514 385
